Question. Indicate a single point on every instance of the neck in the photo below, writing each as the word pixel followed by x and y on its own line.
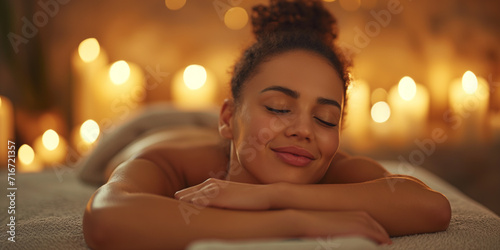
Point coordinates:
pixel 237 172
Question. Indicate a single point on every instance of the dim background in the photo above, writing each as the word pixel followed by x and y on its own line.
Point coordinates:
pixel 434 42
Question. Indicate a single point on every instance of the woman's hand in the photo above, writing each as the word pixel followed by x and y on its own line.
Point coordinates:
pixel 227 194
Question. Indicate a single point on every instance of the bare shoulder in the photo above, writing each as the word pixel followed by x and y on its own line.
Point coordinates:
pixel 183 158
pixel 353 169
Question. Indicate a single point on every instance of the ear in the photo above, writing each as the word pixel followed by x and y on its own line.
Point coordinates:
pixel 226 119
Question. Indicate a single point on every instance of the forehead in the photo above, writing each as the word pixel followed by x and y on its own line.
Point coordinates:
pixel 305 72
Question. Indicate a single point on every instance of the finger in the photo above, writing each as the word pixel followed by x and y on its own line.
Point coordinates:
pixel 208 192
pixel 379 237
pixel 211 190
pixel 183 192
pixel 189 190
pixel 381 230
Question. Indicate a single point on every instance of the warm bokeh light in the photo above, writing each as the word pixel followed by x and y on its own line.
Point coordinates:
pixel 195 76
pixel 469 82
pixel 50 139
pixel 26 154
pixel 175 4
pixel 0 102
pixel 329 0
pixel 236 18
pixel 378 95
pixel 350 5
pixel 407 88
pixel 381 112
pixel 89 131
pixel 89 49
pixel 119 72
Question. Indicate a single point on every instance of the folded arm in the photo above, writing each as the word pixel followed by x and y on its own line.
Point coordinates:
pixel 401 204
pixel 135 209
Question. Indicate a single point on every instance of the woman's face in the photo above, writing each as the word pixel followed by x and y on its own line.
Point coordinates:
pixel 286 127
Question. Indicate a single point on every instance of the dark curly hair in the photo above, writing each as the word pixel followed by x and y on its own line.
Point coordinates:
pixel 285 26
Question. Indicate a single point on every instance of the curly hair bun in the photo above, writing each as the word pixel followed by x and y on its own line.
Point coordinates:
pixel 308 16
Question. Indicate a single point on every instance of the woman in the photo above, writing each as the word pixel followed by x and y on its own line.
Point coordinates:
pixel 281 175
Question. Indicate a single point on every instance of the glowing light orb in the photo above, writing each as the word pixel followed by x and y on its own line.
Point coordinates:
pixel 89 131
pixel 195 76
pixel 469 82
pixel 175 4
pixel 380 112
pixel 26 154
pixel 407 88
pixel 236 18
pixel 50 139
pixel 89 49
pixel 119 72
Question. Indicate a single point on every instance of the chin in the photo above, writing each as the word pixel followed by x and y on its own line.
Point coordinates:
pixel 295 177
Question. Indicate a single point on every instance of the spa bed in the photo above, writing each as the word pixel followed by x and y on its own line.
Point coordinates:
pixel 50 204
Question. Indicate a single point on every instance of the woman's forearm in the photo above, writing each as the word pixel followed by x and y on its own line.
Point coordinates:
pixel 135 220
pixel 400 204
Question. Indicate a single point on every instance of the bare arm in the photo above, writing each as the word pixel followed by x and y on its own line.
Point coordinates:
pixel 127 213
pixel 132 211
pixel 401 204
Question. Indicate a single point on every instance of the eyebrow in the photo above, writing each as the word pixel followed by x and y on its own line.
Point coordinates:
pixel 326 101
pixel 292 93
pixel 295 95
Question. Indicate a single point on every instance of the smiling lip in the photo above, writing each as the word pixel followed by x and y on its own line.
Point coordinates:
pixel 294 155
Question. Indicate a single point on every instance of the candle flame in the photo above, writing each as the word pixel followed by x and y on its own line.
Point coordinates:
pixel 119 72
pixel 89 49
pixel 26 154
pixel 50 139
pixel 89 131
pixel 380 112
pixel 469 82
pixel 195 76
pixel 407 88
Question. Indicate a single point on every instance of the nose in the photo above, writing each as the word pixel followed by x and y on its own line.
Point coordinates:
pixel 300 128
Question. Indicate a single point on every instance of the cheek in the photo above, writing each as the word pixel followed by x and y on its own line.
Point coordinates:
pixel 260 128
pixel 329 145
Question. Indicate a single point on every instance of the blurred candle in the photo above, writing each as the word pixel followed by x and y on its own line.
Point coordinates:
pixel 469 98
pixel 85 136
pixel 357 118
pixel 6 128
pixel 26 160
pixel 194 88
pixel 121 90
pixel 50 147
pixel 87 62
pixel 380 114
pixel 410 108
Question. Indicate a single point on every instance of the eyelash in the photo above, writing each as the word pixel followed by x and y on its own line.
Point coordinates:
pixel 278 111
pixel 285 111
pixel 328 124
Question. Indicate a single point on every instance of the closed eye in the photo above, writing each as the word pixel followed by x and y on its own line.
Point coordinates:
pixel 278 111
pixel 328 124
